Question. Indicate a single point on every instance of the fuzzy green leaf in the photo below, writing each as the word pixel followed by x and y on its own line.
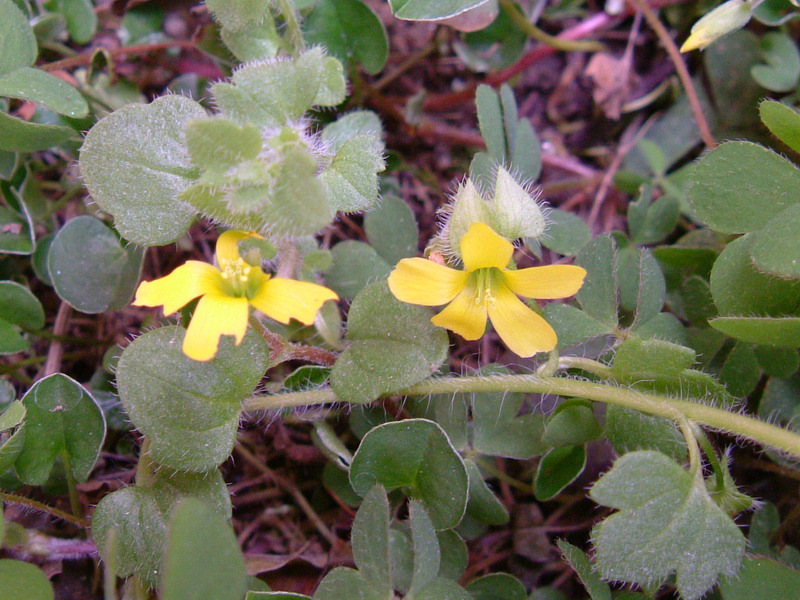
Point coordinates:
pixel 667 523
pixel 135 164
pixel 385 355
pixel 351 180
pixel 189 410
pixel 739 186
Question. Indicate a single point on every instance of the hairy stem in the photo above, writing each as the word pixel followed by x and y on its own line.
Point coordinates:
pixel 652 404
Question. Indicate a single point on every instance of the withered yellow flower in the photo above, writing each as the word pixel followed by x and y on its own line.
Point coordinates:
pixel 226 293
pixel 487 287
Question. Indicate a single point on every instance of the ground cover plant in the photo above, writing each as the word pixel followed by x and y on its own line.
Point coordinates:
pixel 336 299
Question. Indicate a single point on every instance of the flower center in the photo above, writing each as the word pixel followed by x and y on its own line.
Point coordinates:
pixel 485 282
pixel 236 273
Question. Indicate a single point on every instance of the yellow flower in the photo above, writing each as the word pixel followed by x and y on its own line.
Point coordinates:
pixel 487 288
pixel 227 292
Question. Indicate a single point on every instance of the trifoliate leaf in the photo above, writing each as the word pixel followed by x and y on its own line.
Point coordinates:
pixel 667 523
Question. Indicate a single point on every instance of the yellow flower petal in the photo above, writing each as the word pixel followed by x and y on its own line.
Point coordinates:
pixel 180 287
pixel 547 283
pixel 228 243
pixel 465 315
pixel 215 315
pixel 421 281
pixel 481 247
pixel 285 299
pixel 522 330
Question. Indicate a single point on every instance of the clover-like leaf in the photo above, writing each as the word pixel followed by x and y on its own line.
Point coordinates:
pixel 62 421
pixel 667 523
pixel 416 455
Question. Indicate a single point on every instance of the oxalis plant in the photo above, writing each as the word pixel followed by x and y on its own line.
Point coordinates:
pixel 256 330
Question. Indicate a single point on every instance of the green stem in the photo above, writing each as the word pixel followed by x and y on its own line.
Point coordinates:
pixel 652 404
pixel 36 505
pixel 294 34
pixel 711 455
pixel 75 505
pixel 529 29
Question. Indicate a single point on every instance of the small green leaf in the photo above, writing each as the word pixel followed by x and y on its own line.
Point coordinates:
pixel 351 180
pixel 350 30
pixel 135 164
pixel 566 233
pixel 776 248
pixel 189 410
pixel 497 46
pixel 425 10
pixel 740 372
pixel 81 19
pixel 370 540
pixel 443 589
pixel 38 86
pixel 497 586
pixel 17 135
pixel 17 235
pixel 739 186
pixel 257 41
pixel 21 580
pixel 572 324
pixel 355 264
pixel 777 362
pixel 760 578
pixel 416 455
pixel 483 505
pixel 781 67
pixel 18 46
pixel 782 121
pixel 667 523
pixel 496 428
pixel 345 584
pixel 392 229
pixel 129 524
pixel 740 289
pixel 490 121
pixel 577 559
pixel 427 555
pixel 220 575
pixel 90 269
pixel 642 288
pixel 219 143
pixel 573 422
pixel 238 14
pixel 385 355
pixel 630 430
pixel 19 306
pixel 635 357
pixel 272 93
pixel 351 125
pixel 13 442
pixel 557 469
pixel 598 296
pixel 782 332
pixel 11 341
pixel 62 421
pixel 169 487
